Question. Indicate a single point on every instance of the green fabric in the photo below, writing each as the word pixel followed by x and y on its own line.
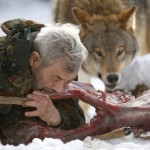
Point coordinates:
pixel 15 49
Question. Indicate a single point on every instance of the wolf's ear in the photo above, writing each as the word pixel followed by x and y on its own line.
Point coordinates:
pixel 127 18
pixel 82 16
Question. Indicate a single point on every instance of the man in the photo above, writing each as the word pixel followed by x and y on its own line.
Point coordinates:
pixel 54 61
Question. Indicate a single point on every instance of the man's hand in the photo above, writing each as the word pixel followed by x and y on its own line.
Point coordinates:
pixel 45 109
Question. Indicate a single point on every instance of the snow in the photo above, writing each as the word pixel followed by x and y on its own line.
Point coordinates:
pixel 39 10
pixel 136 73
pixel 125 143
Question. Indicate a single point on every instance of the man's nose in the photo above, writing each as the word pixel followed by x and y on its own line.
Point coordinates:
pixel 59 87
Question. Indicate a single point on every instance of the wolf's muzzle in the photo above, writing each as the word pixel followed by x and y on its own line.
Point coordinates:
pixel 112 78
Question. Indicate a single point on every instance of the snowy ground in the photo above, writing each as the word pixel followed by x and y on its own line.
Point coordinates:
pixel 39 10
pixel 126 143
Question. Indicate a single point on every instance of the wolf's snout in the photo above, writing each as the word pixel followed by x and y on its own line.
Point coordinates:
pixel 112 78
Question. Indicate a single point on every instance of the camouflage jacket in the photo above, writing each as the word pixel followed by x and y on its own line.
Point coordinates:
pixel 16 80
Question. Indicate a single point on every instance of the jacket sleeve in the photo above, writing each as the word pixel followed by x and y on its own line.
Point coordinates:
pixel 71 113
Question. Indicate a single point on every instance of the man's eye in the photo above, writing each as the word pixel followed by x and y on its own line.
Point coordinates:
pixel 58 79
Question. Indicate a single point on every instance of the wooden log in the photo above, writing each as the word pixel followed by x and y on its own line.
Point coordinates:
pixel 12 100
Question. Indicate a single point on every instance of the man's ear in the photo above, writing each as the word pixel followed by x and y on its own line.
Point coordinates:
pixel 35 59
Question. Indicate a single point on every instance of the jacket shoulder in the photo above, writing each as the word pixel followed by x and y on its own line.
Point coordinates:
pixel 18 24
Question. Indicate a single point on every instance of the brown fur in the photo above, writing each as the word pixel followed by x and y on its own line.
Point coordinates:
pixel 106 30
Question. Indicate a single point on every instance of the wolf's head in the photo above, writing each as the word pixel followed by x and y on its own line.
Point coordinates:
pixel 110 42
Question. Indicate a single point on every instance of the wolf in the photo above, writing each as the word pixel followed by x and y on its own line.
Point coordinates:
pixel 107 30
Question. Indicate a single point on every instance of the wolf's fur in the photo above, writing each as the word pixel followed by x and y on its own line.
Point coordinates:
pixel 107 29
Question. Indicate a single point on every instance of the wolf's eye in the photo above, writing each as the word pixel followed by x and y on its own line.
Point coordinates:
pixel 120 51
pixel 99 51
pixel 99 54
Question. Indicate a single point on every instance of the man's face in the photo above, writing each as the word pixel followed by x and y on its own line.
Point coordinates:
pixel 52 78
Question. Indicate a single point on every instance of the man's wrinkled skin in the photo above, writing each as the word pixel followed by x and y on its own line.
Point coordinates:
pixel 51 79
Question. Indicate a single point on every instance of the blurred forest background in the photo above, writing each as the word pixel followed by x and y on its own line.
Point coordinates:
pixel 37 10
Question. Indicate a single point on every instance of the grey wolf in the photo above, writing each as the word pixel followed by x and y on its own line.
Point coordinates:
pixel 108 30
